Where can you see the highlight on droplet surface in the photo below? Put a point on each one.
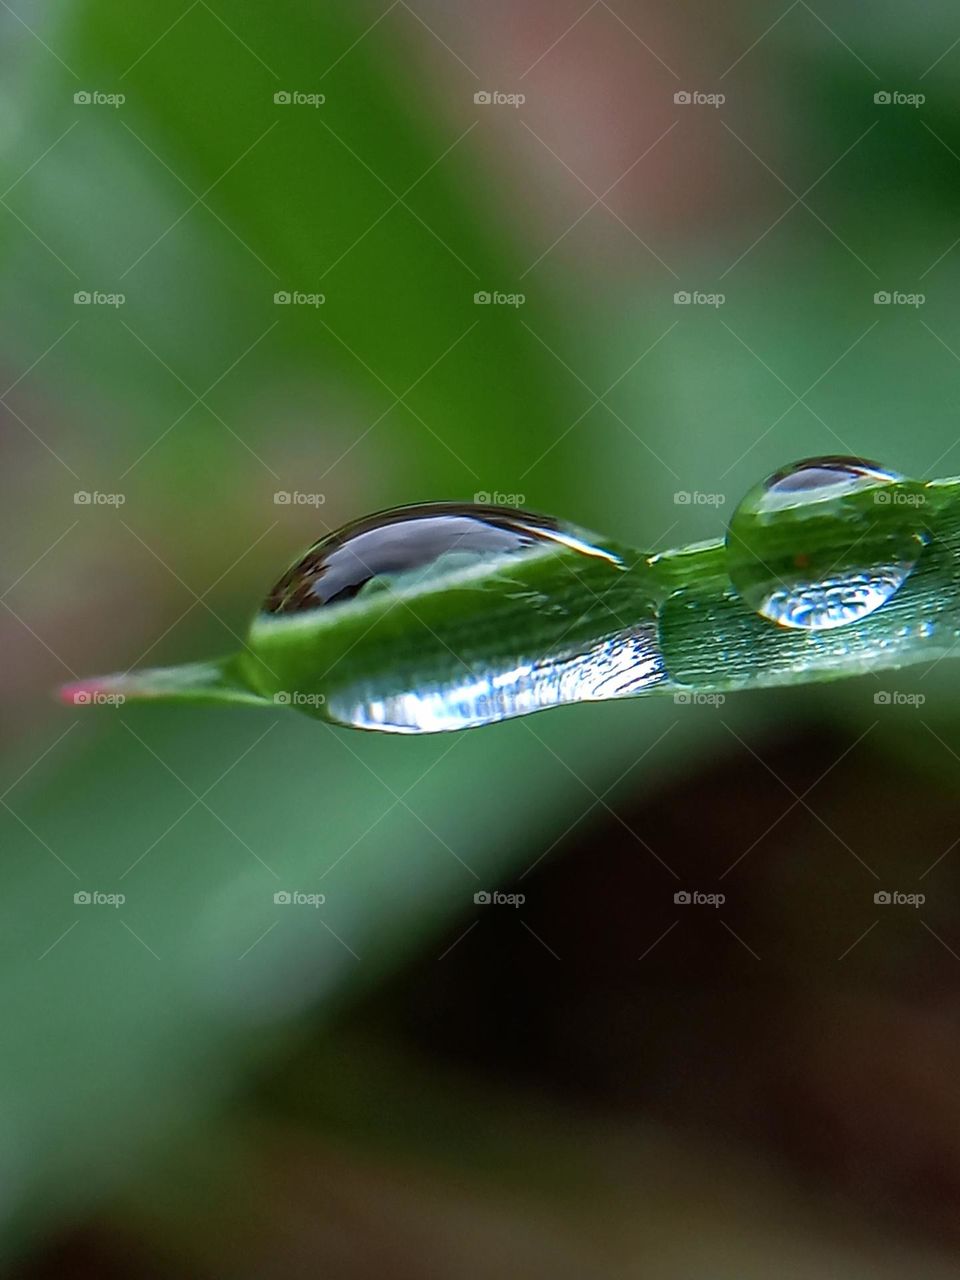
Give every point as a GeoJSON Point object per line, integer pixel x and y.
{"type": "Point", "coordinates": [616, 667]}
{"type": "Point", "coordinates": [782, 547]}
{"type": "Point", "coordinates": [445, 590]}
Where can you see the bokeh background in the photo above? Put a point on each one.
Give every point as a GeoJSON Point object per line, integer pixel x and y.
{"type": "Point", "coordinates": [601, 1081]}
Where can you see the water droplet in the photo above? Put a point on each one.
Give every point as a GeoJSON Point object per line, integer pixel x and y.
{"type": "Point", "coordinates": [447, 616]}
{"type": "Point", "coordinates": [412, 545]}
{"type": "Point", "coordinates": [782, 544]}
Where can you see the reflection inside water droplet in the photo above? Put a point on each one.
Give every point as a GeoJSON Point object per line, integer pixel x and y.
{"type": "Point", "coordinates": [786, 557]}
{"type": "Point", "coordinates": [616, 667]}
{"type": "Point", "coordinates": [451, 616]}
{"type": "Point", "coordinates": [412, 545]}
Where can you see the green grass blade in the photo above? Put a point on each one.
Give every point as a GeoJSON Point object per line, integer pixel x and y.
{"type": "Point", "coordinates": [531, 619]}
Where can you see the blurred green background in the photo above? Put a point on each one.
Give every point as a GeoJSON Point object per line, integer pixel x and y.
{"type": "Point", "coordinates": [203, 1082]}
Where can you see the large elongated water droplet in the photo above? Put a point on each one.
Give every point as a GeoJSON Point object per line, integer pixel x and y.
{"type": "Point", "coordinates": [449, 616]}
{"type": "Point", "coordinates": [412, 545]}
{"type": "Point", "coordinates": [791, 560]}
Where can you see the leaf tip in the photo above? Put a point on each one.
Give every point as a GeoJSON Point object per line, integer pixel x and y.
{"type": "Point", "coordinates": [96, 690]}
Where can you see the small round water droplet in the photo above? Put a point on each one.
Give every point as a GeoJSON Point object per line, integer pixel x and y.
{"type": "Point", "coordinates": [825, 542]}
